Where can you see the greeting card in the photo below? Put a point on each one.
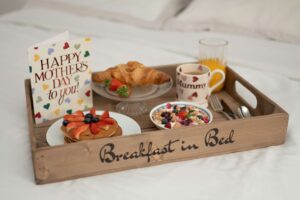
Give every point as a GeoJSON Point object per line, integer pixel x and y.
{"type": "Point", "coordinates": [60, 77]}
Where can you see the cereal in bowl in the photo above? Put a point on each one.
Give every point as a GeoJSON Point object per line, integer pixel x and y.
{"type": "Point", "coordinates": [178, 115]}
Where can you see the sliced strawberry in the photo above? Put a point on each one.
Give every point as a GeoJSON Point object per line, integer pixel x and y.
{"type": "Point", "coordinates": [95, 129]}
{"type": "Point", "coordinates": [74, 118]}
{"type": "Point", "coordinates": [78, 113]}
{"type": "Point", "coordinates": [115, 84]}
{"type": "Point", "coordinates": [105, 115]}
{"type": "Point", "coordinates": [77, 131]}
{"type": "Point", "coordinates": [101, 123]}
{"type": "Point", "coordinates": [182, 114]}
{"type": "Point", "coordinates": [108, 121]}
{"type": "Point", "coordinates": [73, 125]}
{"type": "Point", "coordinates": [93, 111]}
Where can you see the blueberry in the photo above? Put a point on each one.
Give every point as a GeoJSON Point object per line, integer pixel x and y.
{"type": "Point", "coordinates": [87, 120]}
{"type": "Point", "coordinates": [88, 116]}
{"type": "Point", "coordinates": [95, 119]}
{"type": "Point", "coordinates": [164, 121]}
{"type": "Point", "coordinates": [65, 122]}
{"type": "Point", "coordinates": [165, 114]}
{"type": "Point", "coordinates": [169, 118]}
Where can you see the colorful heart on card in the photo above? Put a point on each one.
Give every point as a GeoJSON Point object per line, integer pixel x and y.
{"type": "Point", "coordinates": [60, 78]}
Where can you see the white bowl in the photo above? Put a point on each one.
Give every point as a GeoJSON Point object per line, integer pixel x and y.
{"type": "Point", "coordinates": [181, 103]}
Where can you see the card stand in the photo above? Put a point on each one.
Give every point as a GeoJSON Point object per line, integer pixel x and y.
{"type": "Point", "coordinates": [267, 127]}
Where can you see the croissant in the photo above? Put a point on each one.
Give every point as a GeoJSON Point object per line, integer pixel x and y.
{"type": "Point", "coordinates": [132, 74]}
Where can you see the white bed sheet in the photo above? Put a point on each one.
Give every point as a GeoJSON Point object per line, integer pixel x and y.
{"type": "Point", "coordinates": [269, 173]}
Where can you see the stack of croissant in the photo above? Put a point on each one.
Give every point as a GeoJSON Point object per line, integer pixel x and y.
{"type": "Point", "coordinates": [132, 74]}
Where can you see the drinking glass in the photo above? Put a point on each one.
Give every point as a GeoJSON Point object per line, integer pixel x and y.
{"type": "Point", "coordinates": [213, 54]}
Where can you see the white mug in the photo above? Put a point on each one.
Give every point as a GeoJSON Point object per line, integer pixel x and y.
{"type": "Point", "coordinates": [192, 83]}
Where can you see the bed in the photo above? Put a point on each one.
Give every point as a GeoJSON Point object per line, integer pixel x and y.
{"type": "Point", "coordinates": [272, 66]}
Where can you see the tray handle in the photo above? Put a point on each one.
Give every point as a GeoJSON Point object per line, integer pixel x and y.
{"type": "Point", "coordinates": [263, 106]}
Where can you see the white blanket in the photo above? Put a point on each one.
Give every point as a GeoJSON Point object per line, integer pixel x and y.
{"type": "Point", "coordinates": [269, 173]}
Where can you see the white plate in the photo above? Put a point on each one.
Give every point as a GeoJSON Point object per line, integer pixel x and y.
{"type": "Point", "coordinates": [55, 136]}
{"type": "Point", "coordinates": [180, 103]}
{"type": "Point", "coordinates": [141, 93]}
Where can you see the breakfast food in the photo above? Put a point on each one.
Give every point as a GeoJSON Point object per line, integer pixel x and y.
{"type": "Point", "coordinates": [123, 77]}
{"type": "Point", "coordinates": [79, 126]}
{"type": "Point", "coordinates": [176, 116]}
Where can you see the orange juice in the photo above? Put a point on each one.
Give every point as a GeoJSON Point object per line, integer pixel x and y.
{"type": "Point", "coordinates": [212, 64]}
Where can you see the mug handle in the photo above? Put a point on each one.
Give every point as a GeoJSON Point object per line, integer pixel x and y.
{"type": "Point", "coordinates": [218, 83]}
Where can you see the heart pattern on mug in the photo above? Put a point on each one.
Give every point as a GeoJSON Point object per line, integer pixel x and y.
{"type": "Point", "coordinates": [70, 111]}
{"type": "Point", "coordinates": [30, 69]}
{"type": "Point", "coordinates": [195, 94]}
{"type": "Point", "coordinates": [36, 48]}
{"type": "Point", "coordinates": [66, 45]}
{"type": "Point", "coordinates": [195, 78]}
{"type": "Point", "coordinates": [200, 67]}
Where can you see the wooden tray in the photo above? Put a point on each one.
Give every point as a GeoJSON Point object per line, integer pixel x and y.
{"type": "Point", "coordinates": [267, 127]}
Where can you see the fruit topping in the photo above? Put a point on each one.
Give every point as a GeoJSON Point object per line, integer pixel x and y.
{"type": "Point", "coordinates": [73, 118]}
{"type": "Point", "coordinates": [77, 123]}
{"type": "Point", "coordinates": [87, 120]}
{"type": "Point", "coordinates": [77, 131]}
{"type": "Point", "coordinates": [182, 114]}
{"type": "Point", "coordinates": [95, 129]}
{"type": "Point", "coordinates": [168, 125]}
{"type": "Point", "coordinates": [113, 84]}
{"type": "Point", "coordinates": [168, 105]}
{"type": "Point", "coordinates": [65, 122]}
{"type": "Point", "coordinates": [89, 115]}
{"type": "Point", "coordinates": [73, 125]}
{"type": "Point", "coordinates": [164, 121]}
{"type": "Point", "coordinates": [108, 121]}
{"type": "Point", "coordinates": [95, 119]}
{"type": "Point", "coordinates": [78, 113]}
{"type": "Point", "coordinates": [105, 114]}
{"type": "Point", "coordinates": [93, 111]}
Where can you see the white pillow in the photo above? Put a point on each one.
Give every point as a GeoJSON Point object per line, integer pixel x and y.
{"type": "Point", "coordinates": [274, 19]}
{"type": "Point", "coordinates": [144, 13]}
